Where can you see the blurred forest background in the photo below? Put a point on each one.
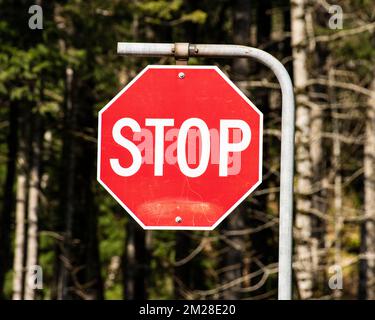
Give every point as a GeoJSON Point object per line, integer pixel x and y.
{"type": "Point", "coordinates": [54, 213]}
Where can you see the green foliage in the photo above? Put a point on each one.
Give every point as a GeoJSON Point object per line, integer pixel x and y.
{"type": "Point", "coordinates": [114, 292]}
{"type": "Point", "coordinates": [111, 235]}
{"type": "Point", "coordinates": [161, 11]}
{"type": "Point", "coordinates": [360, 47]}
{"type": "Point", "coordinates": [8, 287]}
{"type": "Point", "coordinates": [197, 16]}
{"type": "Point", "coordinates": [46, 260]}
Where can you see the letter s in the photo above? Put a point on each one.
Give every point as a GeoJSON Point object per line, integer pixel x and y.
{"type": "Point", "coordinates": [127, 144]}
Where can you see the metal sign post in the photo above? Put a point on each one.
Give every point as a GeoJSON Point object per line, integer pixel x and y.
{"type": "Point", "coordinates": [182, 51]}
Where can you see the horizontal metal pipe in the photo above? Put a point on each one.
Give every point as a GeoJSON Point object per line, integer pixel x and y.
{"type": "Point", "coordinates": [220, 50]}
{"type": "Point", "coordinates": [195, 50]}
{"type": "Point", "coordinates": [145, 49]}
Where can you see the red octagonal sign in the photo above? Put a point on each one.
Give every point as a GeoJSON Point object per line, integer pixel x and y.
{"type": "Point", "coordinates": [180, 147]}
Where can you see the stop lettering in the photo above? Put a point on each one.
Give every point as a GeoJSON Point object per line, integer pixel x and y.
{"type": "Point", "coordinates": [205, 145]}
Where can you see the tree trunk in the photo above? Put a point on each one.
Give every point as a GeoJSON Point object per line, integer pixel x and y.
{"type": "Point", "coordinates": [67, 191]}
{"type": "Point", "coordinates": [8, 203]}
{"type": "Point", "coordinates": [182, 274]}
{"type": "Point", "coordinates": [233, 255]}
{"type": "Point", "coordinates": [241, 35]}
{"type": "Point", "coordinates": [337, 182]}
{"type": "Point", "coordinates": [304, 268]}
{"type": "Point", "coordinates": [367, 279]}
{"type": "Point", "coordinates": [33, 202]}
{"type": "Point", "coordinates": [80, 276]}
{"type": "Point", "coordinates": [258, 208]}
{"type": "Point", "coordinates": [135, 263]}
{"type": "Point", "coordinates": [317, 243]}
{"type": "Point", "coordinates": [233, 260]}
{"type": "Point", "coordinates": [21, 197]}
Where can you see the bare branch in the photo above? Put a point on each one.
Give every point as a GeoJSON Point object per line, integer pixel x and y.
{"type": "Point", "coordinates": [370, 27]}
{"type": "Point", "coordinates": [342, 85]}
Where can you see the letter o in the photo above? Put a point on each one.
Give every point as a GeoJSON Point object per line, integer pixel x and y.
{"type": "Point", "coordinates": [205, 145]}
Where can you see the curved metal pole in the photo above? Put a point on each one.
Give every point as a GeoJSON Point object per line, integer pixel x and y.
{"type": "Point", "coordinates": [287, 133]}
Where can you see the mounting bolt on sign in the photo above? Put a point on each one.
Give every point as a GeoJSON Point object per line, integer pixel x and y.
{"type": "Point", "coordinates": [180, 147]}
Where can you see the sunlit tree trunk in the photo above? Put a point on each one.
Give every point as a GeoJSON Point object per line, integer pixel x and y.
{"type": "Point", "coordinates": [21, 198]}
{"type": "Point", "coordinates": [316, 153]}
{"type": "Point", "coordinates": [33, 202]}
{"type": "Point", "coordinates": [304, 266]}
{"type": "Point", "coordinates": [319, 176]}
{"type": "Point", "coordinates": [367, 281]}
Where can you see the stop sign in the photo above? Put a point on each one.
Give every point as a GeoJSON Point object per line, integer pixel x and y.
{"type": "Point", "coordinates": [180, 147]}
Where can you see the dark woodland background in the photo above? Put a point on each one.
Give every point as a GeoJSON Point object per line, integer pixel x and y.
{"type": "Point", "coordinates": [54, 213]}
